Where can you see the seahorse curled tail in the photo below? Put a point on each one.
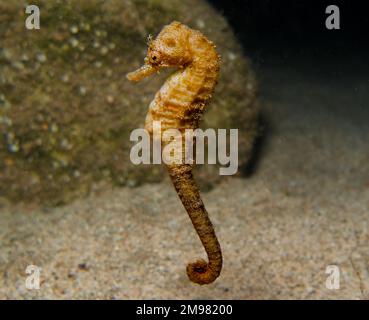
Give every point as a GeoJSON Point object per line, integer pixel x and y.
{"type": "Point", "coordinates": [200, 271]}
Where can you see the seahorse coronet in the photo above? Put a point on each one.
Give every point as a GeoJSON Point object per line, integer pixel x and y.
{"type": "Point", "coordinates": [179, 104]}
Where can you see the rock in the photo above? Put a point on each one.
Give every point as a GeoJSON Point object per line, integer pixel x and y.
{"type": "Point", "coordinates": [73, 79]}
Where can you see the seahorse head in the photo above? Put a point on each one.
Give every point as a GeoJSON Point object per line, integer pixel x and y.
{"type": "Point", "coordinates": [169, 49]}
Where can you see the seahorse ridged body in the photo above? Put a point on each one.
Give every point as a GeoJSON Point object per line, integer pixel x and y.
{"type": "Point", "coordinates": [179, 104]}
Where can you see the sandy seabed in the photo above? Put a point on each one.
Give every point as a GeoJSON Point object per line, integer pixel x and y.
{"type": "Point", "coordinates": [305, 207]}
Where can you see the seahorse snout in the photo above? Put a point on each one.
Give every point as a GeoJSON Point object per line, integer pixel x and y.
{"type": "Point", "coordinates": [143, 72]}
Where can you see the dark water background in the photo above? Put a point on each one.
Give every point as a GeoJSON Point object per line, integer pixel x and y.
{"type": "Point", "coordinates": [284, 31]}
{"type": "Point", "coordinates": [307, 73]}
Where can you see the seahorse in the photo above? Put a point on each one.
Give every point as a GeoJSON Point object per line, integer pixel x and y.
{"type": "Point", "coordinates": [179, 104]}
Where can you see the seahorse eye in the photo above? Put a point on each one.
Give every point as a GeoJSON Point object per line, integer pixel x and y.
{"type": "Point", "coordinates": [154, 59]}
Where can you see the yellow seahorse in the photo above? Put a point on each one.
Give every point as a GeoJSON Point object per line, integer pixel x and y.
{"type": "Point", "coordinates": [179, 104]}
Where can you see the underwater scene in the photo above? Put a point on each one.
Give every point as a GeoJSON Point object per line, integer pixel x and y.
{"type": "Point", "coordinates": [169, 149]}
